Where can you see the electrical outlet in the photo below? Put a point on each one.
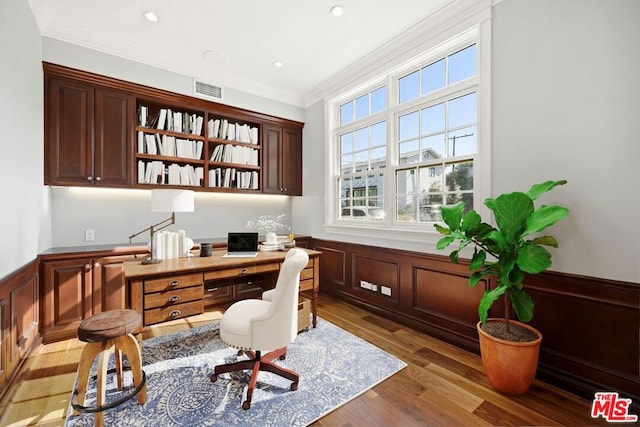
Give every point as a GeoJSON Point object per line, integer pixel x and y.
{"type": "Point", "coordinates": [364, 284]}
{"type": "Point", "coordinates": [373, 287]}
{"type": "Point", "coordinates": [385, 290]}
{"type": "Point", "coordinates": [89, 235]}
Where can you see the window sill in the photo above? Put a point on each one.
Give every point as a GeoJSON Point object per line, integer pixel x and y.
{"type": "Point", "coordinates": [423, 235]}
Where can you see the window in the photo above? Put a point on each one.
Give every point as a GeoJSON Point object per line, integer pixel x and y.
{"type": "Point", "coordinates": [363, 157]}
{"type": "Point", "coordinates": [436, 147]}
{"type": "Point", "coordinates": [409, 143]}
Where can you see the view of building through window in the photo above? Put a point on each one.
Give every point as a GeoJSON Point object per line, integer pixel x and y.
{"type": "Point", "coordinates": [430, 151]}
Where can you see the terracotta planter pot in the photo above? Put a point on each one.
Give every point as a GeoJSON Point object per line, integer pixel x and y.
{"type": "Point", "coordinates": [510, 366]}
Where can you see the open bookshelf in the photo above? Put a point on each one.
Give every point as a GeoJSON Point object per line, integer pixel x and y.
{"type": "Point", "coordinates": [169, 146]}
{"type": "Point", "coordinates": [234, 153]}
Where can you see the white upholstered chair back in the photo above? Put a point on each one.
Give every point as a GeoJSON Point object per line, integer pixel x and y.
{"type": "Point", "coordinates": [279, 326]}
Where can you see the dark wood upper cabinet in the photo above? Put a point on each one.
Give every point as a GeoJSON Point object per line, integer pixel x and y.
{"type": "Point", "coordinates": [282, 160]}
{"type": "Point", "coordinates": [88, 134]}
{"type": "Point", "coordinates": [113, 138]}
{"type": "Point", "coordinates": [101, 131]}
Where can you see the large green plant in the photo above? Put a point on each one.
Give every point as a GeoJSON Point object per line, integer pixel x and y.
{"type": "Point", "coordinates": [513, 249]}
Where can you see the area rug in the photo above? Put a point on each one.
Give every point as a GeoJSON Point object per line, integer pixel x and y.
{"type": "Point", "coordinates": [334, 366]}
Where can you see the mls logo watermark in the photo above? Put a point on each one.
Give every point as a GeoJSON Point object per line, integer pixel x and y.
{"type": "Point", "coordinates": [612, 408]}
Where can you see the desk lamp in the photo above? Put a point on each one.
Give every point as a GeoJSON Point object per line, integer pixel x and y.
{"type": "Point", "coordinates": [166, 200]}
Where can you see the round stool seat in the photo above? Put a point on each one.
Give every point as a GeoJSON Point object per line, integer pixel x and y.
{"type": "Point", "coordinates": [109, 325]}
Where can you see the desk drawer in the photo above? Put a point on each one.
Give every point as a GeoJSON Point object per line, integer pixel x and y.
{"type": "Point", "coordinates": [241, 271]}
{"type": "Point", "coordinates": [164, 314]}
{"type": "Point", "coordinates": [173, 282]}
{"type": "Point", "coordinates": [172, 297]}
{"type": "Point", "coordinates": [306, 274]}
{"type": "Point", "coordinates": [306, 285]}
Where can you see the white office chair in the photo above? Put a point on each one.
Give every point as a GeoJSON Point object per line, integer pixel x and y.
{"type": "Point", "coordinates": [254, 326]}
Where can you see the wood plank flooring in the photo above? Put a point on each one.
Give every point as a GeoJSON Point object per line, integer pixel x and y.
{"type": "Point", "coordinates": [441, 386]}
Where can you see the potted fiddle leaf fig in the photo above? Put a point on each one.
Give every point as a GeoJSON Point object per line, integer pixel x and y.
{"type": "Point", "coordinates": [506, 253]}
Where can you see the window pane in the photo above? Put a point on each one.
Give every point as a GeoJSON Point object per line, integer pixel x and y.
{"type": "Point", "coordinates": [467, 198]}
{"type": "Point", "coordinates": [433, 119]}
{"type": "Point", "coordinates": [362, 106]}
{"type": "Point", "coordinates": [361, 160]}
{"type": "Point", "coordinates": [459, 176]}
{"type": "Point", "coordinates": [430, 208]}
{"type": "Point", "coordinates": [346, 143]}
{"type": "Point", "coordinates": [346, 113]}
{"type": "Point", "coordinates": [409, 126]}
{"type": "Point", "coordinates": [406, 208]}
{"type": "Point", "coordinates": [431, 179]}
{"type": "Point", "coordinates": [433, 147]}
{"type": "Point", "coordinates": [409, 87]}
{"type": "Point", "coordinates": [379, 134]}
{"type": "Point", "coordinates": [409, 152]}
{"type": "Point", "coordinates": [346, 163]}
{"type": "Point", "coordinates": [462, 111]}
{"type": "Point", "coordinates": [406, 181]}
{"type": "Point", "coordinates": [361, 139]}
{"type": "Point", "coordinates": [378, 158]}
{"type": "Point", "coordinates": [345, 189]}
{"type": "Point", "coordinates": [379, 100]}
{"type": "Point", "coordinates": [375, 185]}
{"type": "Point", "coordinates": [433, 77]}
{"type": "Point", "coordinates": [462, 64]}
{"type": "Point", "coordinates": [463, 141]}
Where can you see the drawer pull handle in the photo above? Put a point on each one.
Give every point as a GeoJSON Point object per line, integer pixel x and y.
{"type": "Point", "coordinates": [175, 313]}
{"type": "Point", "coordinates": [174, 298]}
{"type": "Point", "coordinates": [174, 283]}
{"type": "Point", "coordinates": [244, 271]}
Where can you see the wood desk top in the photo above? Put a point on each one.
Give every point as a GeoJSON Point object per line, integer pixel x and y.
{"type": "Point", "coordinates": [192, 264]}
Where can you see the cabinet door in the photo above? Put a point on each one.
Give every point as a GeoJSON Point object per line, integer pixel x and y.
{"type": "Point", "coordinates": [24, 318]}
{"type": "Point", "coordinates": [67, 297]}
{"type": "Point", "coordinates": [271, 159]}
{"type": "Point", "coordinates": [109, 291]}
{"type": "Point", "coordinates": [282, 160]}
{"type": "Point", "coordinates": [291, 154]}
{"type": "Point", "coordinates": [69, 133]}
{"type": "Point", "coordinates": [113, 140]}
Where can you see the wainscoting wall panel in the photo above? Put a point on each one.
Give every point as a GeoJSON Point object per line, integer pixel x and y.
{"type": "Point", "coordinates": [590, 326]}
{"type": "Point", "coordinates": [18, 322]}
{"type": "Point", "coordinates": [381, 275]}
{"type": "Point", "coordinates": [333, 265]}
{"type": "Point", "coordinates": [591, 330]}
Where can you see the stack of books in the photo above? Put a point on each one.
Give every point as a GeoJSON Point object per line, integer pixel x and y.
{"type": "Point", "coordinates": [283, 243]}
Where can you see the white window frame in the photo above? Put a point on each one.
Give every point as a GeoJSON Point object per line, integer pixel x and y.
{"type": "Point", "coordinates": [473, 26]}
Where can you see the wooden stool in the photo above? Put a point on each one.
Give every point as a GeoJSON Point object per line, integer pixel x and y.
{"type": "Point", "coordinates": [102, 333]}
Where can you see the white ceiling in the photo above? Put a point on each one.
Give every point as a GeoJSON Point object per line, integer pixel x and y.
{"type": "Point", "coordinates": [243, 37]}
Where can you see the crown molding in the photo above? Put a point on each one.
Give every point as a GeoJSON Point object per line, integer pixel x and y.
{"type": "Point", "coordinates": [453, 18]}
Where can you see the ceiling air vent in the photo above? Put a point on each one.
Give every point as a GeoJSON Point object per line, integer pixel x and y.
{"type": "Point", "coordinates": [207, 90]}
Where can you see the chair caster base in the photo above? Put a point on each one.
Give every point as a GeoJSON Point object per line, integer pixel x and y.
{"type": "Point", "coordinates": [294, 386]}
{"type": "Point", "coordinates": [214, 378]}
{"type": "Point", "coordinates": [246, 405]}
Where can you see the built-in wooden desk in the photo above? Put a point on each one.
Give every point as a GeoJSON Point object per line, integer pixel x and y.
{"type": "Point", "coordinates": [175, 288]}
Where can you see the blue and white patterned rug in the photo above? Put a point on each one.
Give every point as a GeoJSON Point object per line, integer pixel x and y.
{"type": "Point", "coordinates": [334, 366]}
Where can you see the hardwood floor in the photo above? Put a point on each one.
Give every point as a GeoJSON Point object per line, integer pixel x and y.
{"type": "Point", "coordinates": [441, 386]}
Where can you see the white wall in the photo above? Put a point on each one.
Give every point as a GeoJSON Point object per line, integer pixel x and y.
{"type": "Point", "coordinates": [565, 99]}
{"type": "Point", "coordinates": [308, 211]}
{"type": "Point", "coordinates": [113, 214]}
{"type": "Point", "coordinates": [565, 105]}
{"type": "Point", "coordinates": [24, 218]}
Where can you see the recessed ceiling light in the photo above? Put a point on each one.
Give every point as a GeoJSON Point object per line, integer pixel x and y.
{"type": "Point", "coordinates": [337, 10]}
{"type": "Point", "coordinates": [278, 64]}
{"type": "Point", "coordinates": [215, 56]}
{"type": "Point", "coordinates": [150, 16]}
